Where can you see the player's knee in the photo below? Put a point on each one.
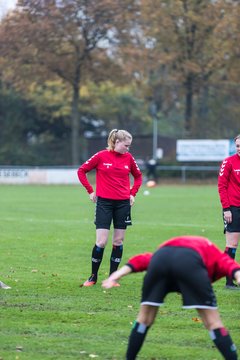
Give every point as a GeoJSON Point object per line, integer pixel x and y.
{"type": "Point", "coordinates": [232, 244]}
{"type": "Point", "coordinates": [213, 324]}
{"type": "Point", "coordinates": [101, 243]}
{"type": "Point", "coordinates": [232, 240]}
{"type": "Point", "coordinates": [147, 319]}
{"type": "Point", "coordinates": [118, 241]}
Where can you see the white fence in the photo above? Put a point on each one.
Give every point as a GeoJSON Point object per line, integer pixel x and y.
{"type": "Point", "coordinates": [68, 175]}
{"type": "Point", "coordinates": [37, 175]}
{"type": "Point", "coordinates": [184, 171]}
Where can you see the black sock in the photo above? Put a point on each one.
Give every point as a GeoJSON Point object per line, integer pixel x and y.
{"type": "Point", "coordinates": [223, 342]}
{"type": "Point", "coordinates": [115, 258]}
{"type": "Point", "coordinates": [232, 253]}
{"type": "Point", "coordinates": [97, 255]}
{"type": "Point", "coordinates": [136, 339]}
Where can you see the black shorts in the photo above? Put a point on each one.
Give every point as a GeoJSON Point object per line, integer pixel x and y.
{"type": "Point", "coordinates": [178, 269]}
{"type": "Point", "coordinates": [118, 211]}
{"type": "Point", "coordinates": [234, 226]}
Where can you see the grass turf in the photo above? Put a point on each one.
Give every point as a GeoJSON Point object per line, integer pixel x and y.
{"type": "Point", "coordinates": [47, 234]}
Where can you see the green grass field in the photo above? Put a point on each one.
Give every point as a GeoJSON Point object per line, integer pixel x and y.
{"type": "Point", "coordinates": [47, 234]}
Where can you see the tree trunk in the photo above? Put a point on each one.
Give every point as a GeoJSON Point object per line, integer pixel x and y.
{"type": "Point", "coordinates": [203, 112]}
{"type": "Point", "coordinates": [188, 104]}
{"type": "Point", "coordinates": [75, 126]}
{"type": "Point", "coordinates": [75, 120]}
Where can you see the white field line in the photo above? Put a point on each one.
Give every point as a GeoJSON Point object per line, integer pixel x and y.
{"type": "Point", "coordinates": [90, 221]}
{"type": "Point", "coordinates": [36, 220]}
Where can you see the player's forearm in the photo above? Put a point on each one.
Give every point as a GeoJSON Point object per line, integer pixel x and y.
{"type": "Point", "coordinates": [115, 276]}
{"type": "Point", "coordinates": [125, 270]}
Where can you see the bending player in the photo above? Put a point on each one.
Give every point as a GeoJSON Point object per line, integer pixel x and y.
{"type": "Point", "coordinates": [188, 265]}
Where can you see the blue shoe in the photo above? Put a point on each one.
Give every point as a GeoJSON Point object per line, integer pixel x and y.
{"type": "Point", "coordinates": [232, 287]}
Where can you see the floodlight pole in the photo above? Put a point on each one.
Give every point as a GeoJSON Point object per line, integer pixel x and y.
{"type": "Point", "coordinates": [153, 112]}
{"type": "Point", "coordinates": [155, 138]}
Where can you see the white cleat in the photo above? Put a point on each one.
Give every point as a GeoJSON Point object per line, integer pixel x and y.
{"type": "Point", "coordinates": [4, 286]}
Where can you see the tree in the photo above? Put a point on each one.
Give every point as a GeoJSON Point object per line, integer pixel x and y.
{"type": "Point", "coordinates": [118, 106]}
{"type": "Point", "coordinates": [68, 39]}
{"type": "Point", "coordinates": [26, 135]}
{"type": "Point", "coordinates": [178, 44]}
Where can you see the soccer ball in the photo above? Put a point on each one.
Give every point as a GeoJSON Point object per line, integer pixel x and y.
{"type": "Point", "coordinates": [151, 183]}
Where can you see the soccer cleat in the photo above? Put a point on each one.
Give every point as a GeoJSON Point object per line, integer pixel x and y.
{"type": "Point", "coordinates": [232, 287]}
{"type": "Point", "coordinates": [90, 282]}
{"type": "Point", "coordinates": [4, 286]}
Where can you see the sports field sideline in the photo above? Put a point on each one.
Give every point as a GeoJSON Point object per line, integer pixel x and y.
{"type": "Point", "coordinates": [47, 234]}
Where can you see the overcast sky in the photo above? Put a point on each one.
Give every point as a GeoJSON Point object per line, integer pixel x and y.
{"type": "Point", "coordinates": [6, 5]}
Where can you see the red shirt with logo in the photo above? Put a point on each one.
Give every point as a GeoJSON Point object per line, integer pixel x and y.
{"type": "Point", "coordinates": [229, 182]}
{"type": "Point", "coordinates": [217, 263]}
{"type": "Point", "coordinates": [113, 171]}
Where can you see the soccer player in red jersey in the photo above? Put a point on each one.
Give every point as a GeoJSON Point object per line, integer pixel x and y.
{"type": "Point", "coordinates": [114, 196]}
{"type": "Point", "coordinates": [187, 265]}
{"type": "Point", "coordinates": [229, 193]}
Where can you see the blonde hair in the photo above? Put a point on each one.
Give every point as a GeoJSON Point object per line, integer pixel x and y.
{"type": "Point", "coordinates": [237, 137]}
{"type": "Point", "coordinates": [116, 134]}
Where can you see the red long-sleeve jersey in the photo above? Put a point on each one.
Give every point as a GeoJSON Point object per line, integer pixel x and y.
{"type": "Point", "coordinates": [229, 182]}
{"type": "Point", "coordinates": [112, 175]}
{"type": "Point", "coordinates": [218, 264]}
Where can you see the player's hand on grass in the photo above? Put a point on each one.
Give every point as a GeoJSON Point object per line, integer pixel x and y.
{"type": "Point", "coordinates": [112, 281]}
{"type": "Point", "coordinates": [237, 277]}
{"type": "Point", "coordinates": [108, 284]}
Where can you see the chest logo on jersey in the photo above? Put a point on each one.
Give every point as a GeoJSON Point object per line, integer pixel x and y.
{"type": "Point", "coordinates": [126, 166]}
{"type": "Point", "coordinates": [237, 171]}
{"type": "Point", "coordinates": [107, 165]}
